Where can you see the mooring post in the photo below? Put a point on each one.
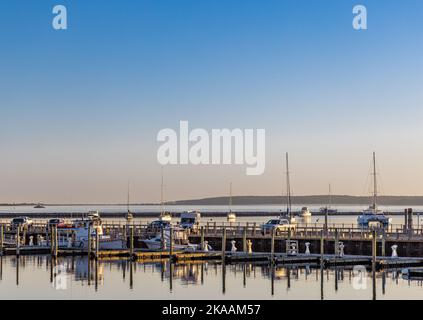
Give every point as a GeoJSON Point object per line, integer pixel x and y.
{"type": "Point", "coordinates": [244, 239]}
{"type": "Point", "coordinates": [202, 239]}
{"type": "Point", "coordinates": [405, 220]}
{"type": "Point", "coordinates": [162, 239]}
{"type": "Point", "coordinates": [89, 242]}
{"type": "Point", "coordinates": [322, 248]}
{"type": "Point", "coordinates": [374, 253]}
{"type": "Point", "coordinates": [170, 242]}
{"type": "Point", "coordinates": [97, 243]}
{"type": "Point", "coordinates": [1, 239]}
{"type": "Point", "coordinates": [272, 245]}
{"type": "Point", "coordinates": [383, 243]}
{"type": "Point", "coordinates": [18, 244]}
{"type": "Point", "coordinates": [132, 241]}
{"type": "Point", "coordinates": [51, 240]}
{"type": "Point", "coordinates": [56, 242]}
{"type": "Point", "coordinates": [223, 244]}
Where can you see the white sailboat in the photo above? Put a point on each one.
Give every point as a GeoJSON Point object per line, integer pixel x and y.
{"type": "Point", "coordinates": [328, 209]}
{"type": "Point", "coordinates": [231, 216]}
{"type": "Point", "coordinates": [129, 216]}
{"type": "Point", "coordinates": [373, 214]}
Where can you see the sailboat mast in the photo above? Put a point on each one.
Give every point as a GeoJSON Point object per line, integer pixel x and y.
{"type": "Point", "coordinates": [127, 200]}
{"type": "Point", "coordinates": [288, 189]}
{"type": "Point", "coordinates": [161, 193]}
{"type": "Point", "coordinates": [230, 197]}
{"type": "Point", "coordinates": [330, 196]}
{"type": "Point", "coordinates": [374, 182]}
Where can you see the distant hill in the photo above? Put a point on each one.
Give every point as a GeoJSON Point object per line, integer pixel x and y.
{"type": "Point", "coordinates": [272, 200]}
{"type": "Point", "coordinates": [305, 200]}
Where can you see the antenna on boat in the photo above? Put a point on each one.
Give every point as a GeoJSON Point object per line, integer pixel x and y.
{"type": "Point", "coordinates": [374, 182]}
{"type": "Point", "coordinates": [288, 189]}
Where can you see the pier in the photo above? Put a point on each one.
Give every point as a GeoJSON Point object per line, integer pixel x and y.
{"type": "Point", "coordinates": [305, 244]}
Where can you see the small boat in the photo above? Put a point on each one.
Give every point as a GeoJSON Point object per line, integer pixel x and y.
{"type": "Point", "coordinates": [190, 219]}
{"type": "Point", "coordinates": [76, 235]}
{"type": "Point", "coordinates": [129, 216]}
{"type": "Point", "coordinates": [373, 214]}
{"type": "Point", "coordinates": [231, 217]}
{"type": "Point", "coordinates": [165, 216]}
{"type": "Point", "coordinates": [329, 210]}
{"type": "Point", "coordinates": [305, 212]}
{"type": "Point", "coordinates": [39, 206]}
{"type": "Point", "coordinates": [179, 241]}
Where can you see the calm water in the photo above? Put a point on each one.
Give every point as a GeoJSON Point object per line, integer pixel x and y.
{"type": "Point", "coordinates": [71, 278]}
{"type": "Point", "coordinates": [347, 220]}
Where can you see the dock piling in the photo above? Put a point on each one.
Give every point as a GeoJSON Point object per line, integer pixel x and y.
{"type": "Point", "coordinates": [18, 240]}
{"type": "Point", "coordinates": [89, 242]}
{"type": "Point", "coordinates": [132, 241]}
{"type": "Point", "coordinates": [1, 239]}
{"type": "Point", "coordinates": [202, 239]}
{"type": "Point", "coordinates": [223, 244]}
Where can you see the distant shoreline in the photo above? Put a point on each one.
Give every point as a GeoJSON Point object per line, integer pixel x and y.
{"type": "Point", "coordinates": [262, 200]}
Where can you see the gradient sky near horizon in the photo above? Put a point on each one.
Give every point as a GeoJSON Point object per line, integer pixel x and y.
{"type": "Point", "coordinates": [80, 109]}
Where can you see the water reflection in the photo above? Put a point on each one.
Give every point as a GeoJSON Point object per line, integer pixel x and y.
{"type": "Point", "coordinates": [42, 275]}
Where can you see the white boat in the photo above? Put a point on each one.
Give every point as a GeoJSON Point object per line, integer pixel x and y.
{"type": "Point", "coordinates": [190, 219]}
{"type": "Point", "coordinates": [76, 236]}
{"type": "Point", "coordinates": [373, 214]}
{"type": "Point", "coordinates": [165, 216]}
{"type": "Point", "coordinates": [305, 212]}
{"type": "Point", "coordinates": [231, 217]}
{"type": "Point", "coordinates": [179, 241]}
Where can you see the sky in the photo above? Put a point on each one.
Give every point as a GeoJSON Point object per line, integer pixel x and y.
{"type": "Point", "coordinates": [80, 109]}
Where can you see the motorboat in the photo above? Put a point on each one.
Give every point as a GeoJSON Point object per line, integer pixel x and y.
{"type": "Point", "coordinates": [190, 219]}
{"type": "Point", "coordinates": [76, 235]}
{"type": "Point", "coordinates": [161, 241]}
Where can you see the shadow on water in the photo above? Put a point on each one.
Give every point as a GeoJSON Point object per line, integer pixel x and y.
{"type": "Point", "coordinates": [264, 280]}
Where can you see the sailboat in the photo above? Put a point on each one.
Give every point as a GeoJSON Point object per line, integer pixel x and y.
{"type": "Point", "coordinates": [231, 216]}
{"type": "Point", "coordinates": [164, 215]}
{"type": "Point", "coordinates": [373, 214]}
{"type": "Point", "coordinates": [289, 214]}
{"type": "Point", "coordinates": [129, 216]}
{"type": "Point", "coordinates": [328, 208]}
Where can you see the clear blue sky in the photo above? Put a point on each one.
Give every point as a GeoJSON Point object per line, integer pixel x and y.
{"type": "Point", "coordinates": [80, 109]}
